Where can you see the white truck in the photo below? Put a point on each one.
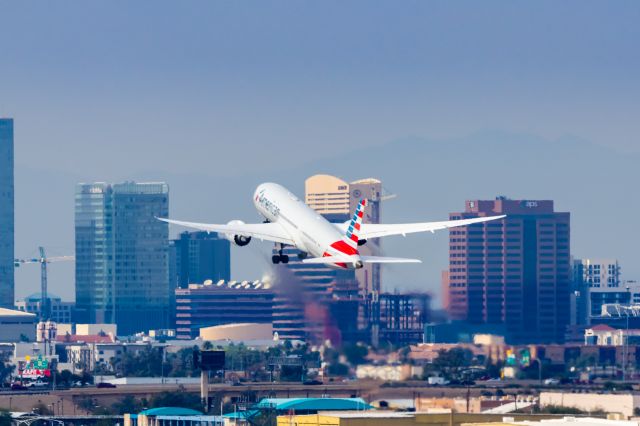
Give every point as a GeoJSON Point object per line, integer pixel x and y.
{"type": "Point", "coordinates": [437, 380]}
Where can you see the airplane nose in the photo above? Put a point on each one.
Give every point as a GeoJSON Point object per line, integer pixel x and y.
{"type": "Point", "coordinates": [358, 264]}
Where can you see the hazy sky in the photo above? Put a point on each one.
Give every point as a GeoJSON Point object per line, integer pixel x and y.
{"type": "Point", "coordinates": [108, 90]}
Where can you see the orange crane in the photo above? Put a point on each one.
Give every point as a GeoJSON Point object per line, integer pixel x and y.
{"type": "Point", "coordinates": [43, 260]}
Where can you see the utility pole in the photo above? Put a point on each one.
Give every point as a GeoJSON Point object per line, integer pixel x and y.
{"type": "Point", "coordinates": [625, 338]}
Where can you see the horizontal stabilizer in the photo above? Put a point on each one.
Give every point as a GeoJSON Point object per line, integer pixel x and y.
{"type": "Point", "coordinates": [356, 258]}
{"type": "Point", "coordinates": [382, 259]}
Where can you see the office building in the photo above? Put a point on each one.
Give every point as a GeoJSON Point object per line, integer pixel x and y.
{"type": "Point", "coordinates": [200, 256]}
{"type": "Point", "coordinates": [597, 273]}
{"type": "Point", "coordinates": [6, 214]}
{"type": "Point", "coordinates": [400, 318]}
{"type": "Point", "coordinates": [219, 303]}
{"type": "Point", "coordinates": [514, 272]}
{"type": "Point", "coordinates": [597, 282]}
{"type": "Point", "coordinates": [60, 312]}
{"type": "Point", "coordinates": [336, 200]}
{"type": "Point", "coordinates": [122, 262]}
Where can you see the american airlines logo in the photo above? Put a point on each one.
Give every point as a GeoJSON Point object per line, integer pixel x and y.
{"type": "Point", "coordinates": [268, 205]}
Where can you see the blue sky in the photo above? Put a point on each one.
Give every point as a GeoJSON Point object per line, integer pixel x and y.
{"type": "Point", "coordinates": [110, 90]}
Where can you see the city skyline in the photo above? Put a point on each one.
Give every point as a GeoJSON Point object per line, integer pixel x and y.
{"type": "Point", "coordinates": [589, 239]}
{"type": "Point", "coordinates": [321, 83]}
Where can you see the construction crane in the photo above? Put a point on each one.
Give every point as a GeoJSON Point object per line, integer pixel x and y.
{"type": "Point", "coordinates": [43, 260]}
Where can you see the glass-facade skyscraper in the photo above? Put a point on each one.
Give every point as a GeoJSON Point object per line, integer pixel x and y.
{"type": "Point", "coordinates": [6, 214]}
{"type": "Point", "coordinates": [200, 256]}
{"type": "Point", "coordinates": [122, 261]}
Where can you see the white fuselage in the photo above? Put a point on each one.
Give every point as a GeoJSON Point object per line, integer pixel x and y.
{"type": "Point", "coordinates": [311, 232]}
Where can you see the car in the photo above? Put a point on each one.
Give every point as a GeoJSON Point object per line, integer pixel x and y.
{"type": "Point", "coordinates": [551, 382]}
{"type": "Point", "coordinates": [312, 382]}
{"type": "Point", "coordinates": [18, 386]}
{"type": "Point", "coordinates": [37, 384]}
{"type": "Point", "coordinates": [103, 385]}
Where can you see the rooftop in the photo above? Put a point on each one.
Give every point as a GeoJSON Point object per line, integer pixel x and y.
{"type": "Point", "coordinates": [84, 338]}
{"type": "Point", "coordinates": [231, 285]}
{"type": "Point", "coordinates": [15, 313]}
{"type": "Point", "coordinates": [36, 297]}
{"type": "Point", "coordinates": [315, 404]}
{"type": "Point", "coordinates": [170, 411]}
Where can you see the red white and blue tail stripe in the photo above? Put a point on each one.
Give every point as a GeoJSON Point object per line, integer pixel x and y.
{"type": "Point", "coordinates": [351, 236]}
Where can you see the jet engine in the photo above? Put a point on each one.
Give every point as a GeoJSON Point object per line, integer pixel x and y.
{"type": "Point", "coordinates": [239, 240]}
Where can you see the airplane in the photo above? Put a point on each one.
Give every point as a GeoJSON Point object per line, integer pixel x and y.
{"type": "Point", "coordinates": [290, 222]}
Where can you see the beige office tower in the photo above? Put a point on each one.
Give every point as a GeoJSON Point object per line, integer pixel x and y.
{"type": "Point", "coordinates": [336, 200]}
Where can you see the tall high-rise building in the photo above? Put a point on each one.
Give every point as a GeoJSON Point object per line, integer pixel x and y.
{"type": "Point", "coordinates": [309, 296]}
{"type": "Point", "coordinates": [336, 200]}
{"type": "Point", "coordinates": [198, 257]}
{"type": "Point", "coordinates": [122, 257]}
{"type": "Point", "coordinates": [514, 272]}
{"type": "Point", "coordinates": [6, 214]}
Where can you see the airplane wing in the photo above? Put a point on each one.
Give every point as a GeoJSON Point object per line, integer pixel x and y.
{"type": "Point", "coordinates": [377, 230]}
{"type": "Point", "coordinates": [262, 231]}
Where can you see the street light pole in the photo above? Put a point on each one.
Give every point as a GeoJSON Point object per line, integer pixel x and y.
{"type": "Point", "coordinates": [625, 339]}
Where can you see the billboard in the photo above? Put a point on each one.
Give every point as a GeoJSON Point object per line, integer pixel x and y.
{"type": "Point", "coordinates": [34, 368]}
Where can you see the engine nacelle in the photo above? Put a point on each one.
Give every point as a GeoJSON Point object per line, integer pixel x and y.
{"type": "Point", "coordinates": [239, 240]}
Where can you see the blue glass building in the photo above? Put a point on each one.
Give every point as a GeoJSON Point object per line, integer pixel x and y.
{"type": "Point", "coordinates": [200, 256]}
{"type": "Point", "coordinates": [122, 261]}
{"type": "Point", "coordinates": [6, 214]}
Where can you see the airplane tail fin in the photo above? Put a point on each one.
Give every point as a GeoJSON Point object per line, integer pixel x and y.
{"type": "Point", "coordinates": [353, 230]}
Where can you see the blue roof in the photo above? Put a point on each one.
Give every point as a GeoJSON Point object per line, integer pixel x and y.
{"type": "Point", "coordinates": [314, 404]}
{"type": "Point", "coordinates": [240, 414]}
{"type": "Point", "coordinates": [170, 411]}
{"type": "Point", "coordinates": [36, 297]}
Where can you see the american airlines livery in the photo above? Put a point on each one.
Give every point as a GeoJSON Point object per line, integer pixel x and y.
{"type": "Point", "coordinates": [290, 222]}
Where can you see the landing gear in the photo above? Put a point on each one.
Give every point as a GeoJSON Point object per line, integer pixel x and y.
{"type": "Point", "coordinates": [277, 258]}
{"type": "Point", "coordinates": [280, 257]}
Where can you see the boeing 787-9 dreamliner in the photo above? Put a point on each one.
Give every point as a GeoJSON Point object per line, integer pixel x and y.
{"type": "Point", "coordinates": [290, 222]}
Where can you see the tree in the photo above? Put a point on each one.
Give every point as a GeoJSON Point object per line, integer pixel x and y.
{"type": "Point", "coordinates": [128, 404]}
{"type": "Point", "coordinates": [355, 354]}
{"type": "Point", "coordinates": [6, 369]}
{"type": "Point", "coordinates": [42, 409]}
{"type": "Point", "coordinates": [5, 418]}
{"type": "Point", "coordinates": [451, 362]}
{"type": "Point", "coordinates": [179, 398]}
{"type": "Point", "coordinates": [338, 369]}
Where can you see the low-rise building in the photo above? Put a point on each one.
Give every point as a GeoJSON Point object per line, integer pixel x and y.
{"type": "Point", "coordinates": [224, 302]}
{"type": "Point", "coordinates": [392, 373]}
{"type": "Point", "coordinates": [436, 417]}
{"type": "Point", "coordinates": [623, 404]}
{"type": "Point", "coordinates": [59, 311]}
{"type": "Point", "coordinates": [603, 335]}
{"type": "Point", "coordinates": [169, 416]}
{"type": "Point", "coordinates": [17, 326]}
{"type": "Point", "coordinates": [242, 332]}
